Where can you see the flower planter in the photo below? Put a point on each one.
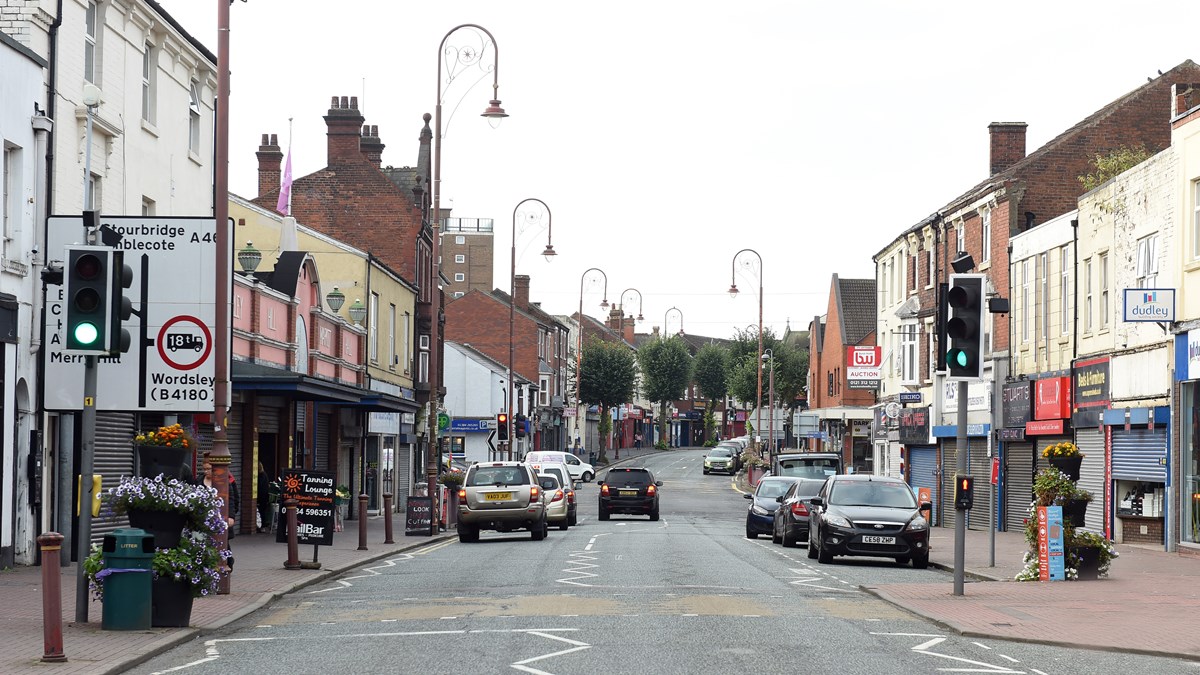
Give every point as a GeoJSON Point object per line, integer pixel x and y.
{"type": "Point", "coordinates": [1089, 562]}
{"type": "Point", "coordinates": [166, 526]}
{"type": "Point", "coordinates": [170, 603]}
{"type": "Point", "coordinates": [157, 459]}
{"type": "Point", "coordinates": [1067, 465]}
{"type": "Point", "coordinates": [1074, 511]}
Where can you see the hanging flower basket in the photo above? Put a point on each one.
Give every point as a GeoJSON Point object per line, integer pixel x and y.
{"type": "Point", "coordinates": [1067, 464]}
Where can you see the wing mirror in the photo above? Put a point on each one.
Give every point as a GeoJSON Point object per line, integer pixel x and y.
{"type": "Point", "coordinates": [779, 500]}
{"type": "Point", "coordinates": [748, 496]}
{"type": "Point", "coordinates": [658, 483]}
{"type": "Point", "coordinates": [817, 501]}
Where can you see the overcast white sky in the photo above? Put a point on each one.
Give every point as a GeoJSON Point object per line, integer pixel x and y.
{"type": "Point", "coordinates": [667, 135]}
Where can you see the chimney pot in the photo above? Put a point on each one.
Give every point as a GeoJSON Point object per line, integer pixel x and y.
{"type": "Point", "coordinates": [270, 157]}
{"type": "Point", "coordinates": [265, 139]}
{"type": "Point", "coordinates": [354, 103]}
{"type": "Point", "coordinates": [333, 103]}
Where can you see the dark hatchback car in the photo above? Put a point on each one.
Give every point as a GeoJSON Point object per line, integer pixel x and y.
{"type": "Point", "coordinates": [760, 517]}
{"type": "Point", "coordinates": [876, 516]}
{"type": "Point", "coordinates": [791, 518]}
{"type": "Point", "coordinates": [630, 491]}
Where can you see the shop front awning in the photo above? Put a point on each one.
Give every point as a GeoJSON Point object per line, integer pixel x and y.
{"type": "Point", "coordinates": [269, 381]}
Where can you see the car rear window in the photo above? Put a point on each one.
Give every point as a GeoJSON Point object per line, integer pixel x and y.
{"type": "Point", "coordinates": [498, 475]}
{"type": "Point", "coordinates": [873, 493]}
{"type": "Point", "coordinates": [773, 488]}
{"type": "Point", "coordinates": [630, 477]}
{"type": "Point", "coordinates": [557, 473]}
{"type": "Point", "coordinates": [560, 457]}
{"type": "Point", "coordinates": [720, 452]}
{"type": "Point", "coordinates": [807, 468]}
{"type": "Point", "coordinates": [809, 488]}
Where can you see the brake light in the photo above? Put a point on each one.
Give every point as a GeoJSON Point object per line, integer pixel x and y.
{"type": "Point", "coordinates": [651, 490]}
{"type": "Point", "coordinates": [604, 490]}
{"type": "Point", "coordinates": [571, 497]}
{"type": "Point", "coordinates": [557, 496]}
{"type": "Point", "coordinates": [462, 496]}
{"type": "Point", "coordinates": [799, 509]}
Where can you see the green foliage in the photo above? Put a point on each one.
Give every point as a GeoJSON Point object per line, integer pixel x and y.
{"type": "Point", "coordinates": [1113, 164]}
{"type": "Point", "coordinates": [710, 427]}
{"type": "Point", "coordinates": [666, 371]}
{"type": "Point", "coordinates": [608, 373]}
{"type": "Point", "coordinates": [1053, 487]}
{"type": "Point", "coordinates": [661, 445]}
{"type": "Point", "coordinates": [712, 371]}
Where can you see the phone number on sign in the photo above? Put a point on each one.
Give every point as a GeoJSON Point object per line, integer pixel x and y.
{"type": "Point", "coordinates": [168, 394]}
{"type": "Point", "coordinates": [315, 512]}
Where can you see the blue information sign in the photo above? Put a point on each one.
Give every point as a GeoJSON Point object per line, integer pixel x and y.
{"type": "Point", "coordinates": [1054, 543]}
{"type": "Point", "coordinates": [470, 426]}
{"type": "Point", "coordinates": [910, 397]}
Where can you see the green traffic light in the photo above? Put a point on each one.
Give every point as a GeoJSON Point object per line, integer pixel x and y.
{"type": "Point", "coordinates": [86, 334]}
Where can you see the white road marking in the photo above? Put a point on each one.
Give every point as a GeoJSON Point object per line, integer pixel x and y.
{"type": "Point", "coordinates": [925, 635]}
{"type": "Point", "coordinates": [1008, 658]}
{"type": "Point", "coordinates": [981, 645]}
{"type": "Point", "coordinates": [926, 645]}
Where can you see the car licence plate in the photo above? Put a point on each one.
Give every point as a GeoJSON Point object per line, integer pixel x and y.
{"type": "Point", "coordinates": [872, 539]}
{"type": "Point", "coordinates": [629, 493]}
{"type": "Point", "coordinates": [497, 496]}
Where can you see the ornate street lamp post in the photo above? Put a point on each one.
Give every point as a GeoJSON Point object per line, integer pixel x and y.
{"type": "Point", "coordinates": [462, 57]}
{"type": "Point", "coordinates": [733, 291]}
{"type": "Point", "coordinates": [581, 420]}
{"type": "Point", "coordinates": [533, 217]}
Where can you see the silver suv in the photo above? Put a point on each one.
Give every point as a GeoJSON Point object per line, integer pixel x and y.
{"type": "Point", "coordinates": [501, 496]}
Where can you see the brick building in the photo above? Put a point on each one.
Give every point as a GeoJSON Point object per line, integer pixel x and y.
{"type": "Point", "coordinates": [844, 413]}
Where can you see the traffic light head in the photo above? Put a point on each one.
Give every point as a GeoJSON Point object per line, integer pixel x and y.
{"type": "Point", "coordinates": [502, 426]}
{"type": "Point", "coordinates": [964, 326]}
{"type": "Point", "coordinates": [120, 307]}
{"type": "Point", "coordinates": [88, 279]}
{"type": "Point", "coordinates": [964, 493]}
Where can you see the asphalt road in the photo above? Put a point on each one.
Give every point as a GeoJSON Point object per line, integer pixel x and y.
{"type": "Point", "coordinates": [687, 594]}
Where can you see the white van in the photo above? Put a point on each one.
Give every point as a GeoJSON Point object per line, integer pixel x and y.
{"type": "Point", "coordinates": [579, 469]}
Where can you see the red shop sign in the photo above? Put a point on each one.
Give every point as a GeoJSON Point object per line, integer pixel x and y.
{"type": "Point", "coordinates": [1052, 398]}
{"type": "Point", "coordinates": [1044, 428]}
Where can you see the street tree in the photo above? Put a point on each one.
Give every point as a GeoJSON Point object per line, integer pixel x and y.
{"type": "Point", "coordinates": [711, 373]}
{"type": "Point", "coordinates": [607, 374]}
{"type": "Point", "coordinates": [666, 372]}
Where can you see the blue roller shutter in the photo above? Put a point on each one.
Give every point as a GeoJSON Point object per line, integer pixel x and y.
{"type": "Point", "coordinates": [1139, 454]}
{"type": "Point", "coordinates": [922, 468]}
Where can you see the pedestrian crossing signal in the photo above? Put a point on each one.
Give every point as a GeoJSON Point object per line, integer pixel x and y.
{"type": "Point", "coordinates": [964, 493]}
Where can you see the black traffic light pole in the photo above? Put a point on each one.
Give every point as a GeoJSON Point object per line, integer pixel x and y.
{"type": "Point", "coordinates": [960, 522]}
{"type": "Point", "coordinates": [964, 363]}
{"type": "Point", "coordinates": [87, 452]}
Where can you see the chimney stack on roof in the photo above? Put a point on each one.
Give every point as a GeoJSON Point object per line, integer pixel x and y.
{"type": "Point", "coordinates": [343, 123]}
{"type": "Point", "coordinates": [270, 158]}
{"type": "Point", "coordinates": [1008, 145]}
{"type": "Point", "coordinates": [521, 292]}
{"type": "Point", "coordinates": [371, 145]}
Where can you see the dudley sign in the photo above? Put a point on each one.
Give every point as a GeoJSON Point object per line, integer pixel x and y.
{"type": "Point", "coordinates": [170, 365]}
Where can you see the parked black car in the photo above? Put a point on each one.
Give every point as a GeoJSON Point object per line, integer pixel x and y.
{"type": "Point", "coordinates": [792, 516]}
{"type": "Point", "coordinates": [862, 515]}
{"type": "Point", "coordinates": [629, 490]}
{"type": "Point", "coordinates": [760, 515]}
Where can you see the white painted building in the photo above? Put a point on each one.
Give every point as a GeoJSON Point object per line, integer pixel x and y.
{"type": "Point", "coordinates": [151, 154]}
{"type": "Point", "coordinates": [475, 392]}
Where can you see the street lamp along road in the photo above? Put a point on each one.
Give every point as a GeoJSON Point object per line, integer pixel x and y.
{"type": "Point", "coordinates": [768, 359]}
{"type": "Point", "coordinates": [533, 218]}
{"type": "Point", "coordinates": [581, 419]}
{"type": "Point", "coordinates": [733, 291]}
{"type": "Point", "coordinates": [639, 295]}
{"type": "Point", "coordinates": [464, 57]}
{"type": "Point", "coordinates": [668, 313]}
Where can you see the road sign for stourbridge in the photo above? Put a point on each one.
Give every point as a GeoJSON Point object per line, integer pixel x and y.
{"type": "Point", "coordinates": [170, 365]}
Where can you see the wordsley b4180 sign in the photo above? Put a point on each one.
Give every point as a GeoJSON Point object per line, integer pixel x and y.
{"type": "Point", "coordinates": [170, 365]}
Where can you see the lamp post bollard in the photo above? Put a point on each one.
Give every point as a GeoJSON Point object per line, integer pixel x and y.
{"type": "Point", "coordinates": [51, 547]}
{"type": "Point", "coordinates": [387, 518]}
{"type": "Point", "coordinates": [362, 522]}
{"type": "Point", "coordinates": [293, 553]}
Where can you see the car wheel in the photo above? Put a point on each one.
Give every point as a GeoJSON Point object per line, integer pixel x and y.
{"type": "Point", "coordinates": [572, 520]}
{"type": "Point", "coordinates": [786, 539]}
{"type": "Point", "coordinates": [902, 560]}
{"type": "Point", "coordinates": [538, 532]}
{"type": "Point", "coordinates": [812, 547]}
{"type": "Point", "coordinates": [603, 514]}
{"type": "Point", "coordinates": [775, 538]}
{"type": "Point", "coordinates": [706, 472]}
{"type": "Point", "coordinates": [468, 533]}
{"type": "Point", "coordinates": [654, 514]}
{"type": "Point", "coordinates": [823, 555]}
{"type": "Point", "coordinates": [751, 534]}
{"type": "Point", "coordinates": [564, 524]}
{"type": "Point", "coordinates": [587, 476]}
{"type": "Point", "coordinates": [920, 562]}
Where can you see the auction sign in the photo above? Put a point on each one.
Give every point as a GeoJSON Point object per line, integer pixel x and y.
{"type": "Point", "coordinates": [313, 490]}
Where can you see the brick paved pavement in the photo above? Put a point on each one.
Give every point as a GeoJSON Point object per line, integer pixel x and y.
{"type": "Point", "coordinates": [1148, 605]}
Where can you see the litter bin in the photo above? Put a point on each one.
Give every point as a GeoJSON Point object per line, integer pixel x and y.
{"type": "Point", "coordinates": [128, 560]}
{"type": "Point", "coordinates": [592, 458]}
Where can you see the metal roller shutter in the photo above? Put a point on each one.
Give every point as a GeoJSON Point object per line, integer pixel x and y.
{"type": "Point", "coordinates": [946, 499]}
{"type": "Point", "coordinates": [1018, 484]}
{"type": "Point", "coordinates": [268, 419]}
{"type": "Point", "coordinates": [113, 460]}
{"type": "Point", "coordinates": [321, 448]}
{"type": "Point", "coordinates": [923, 471]}
{"type": "Point", "coordinates": [1091, 475]}
{"type": "Point", "coordinates": [980, 466]}
{"type": "Point", "coordinates": [1139, 454]}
